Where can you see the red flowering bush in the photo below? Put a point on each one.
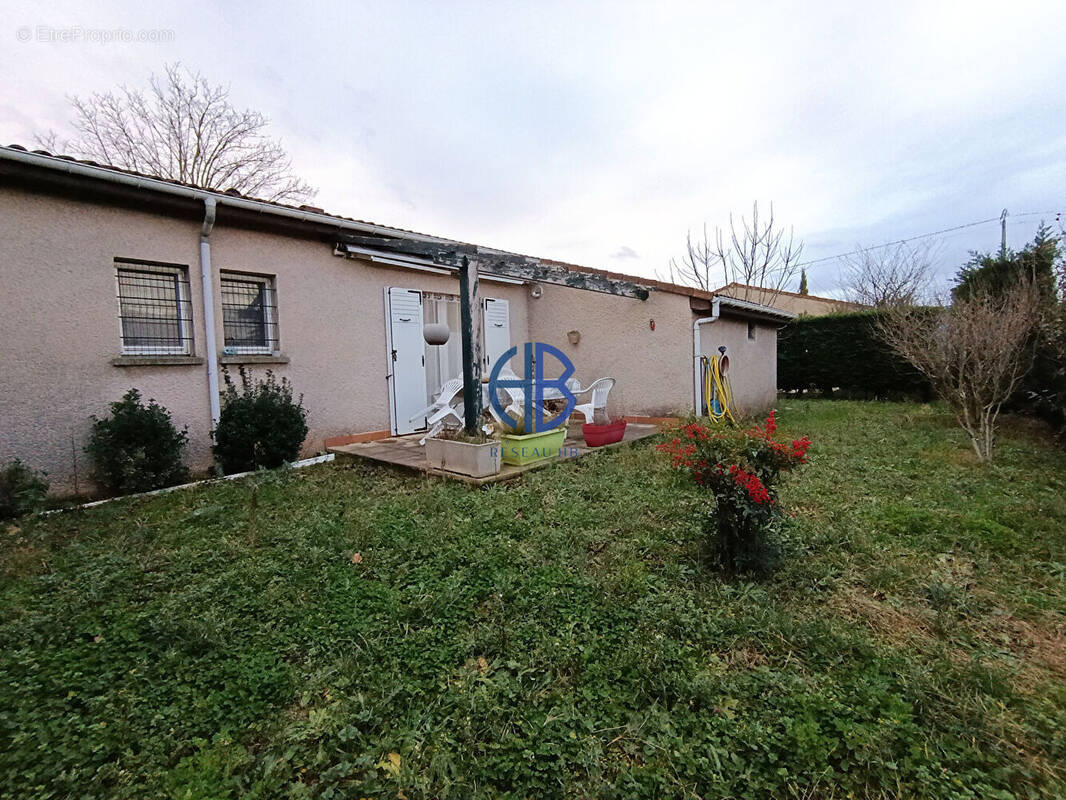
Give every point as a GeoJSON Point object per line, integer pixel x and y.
{"type": "Point", "coordinates": [740, 469]}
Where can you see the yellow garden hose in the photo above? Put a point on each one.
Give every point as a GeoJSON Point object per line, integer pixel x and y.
{"type": "Point", "coordinates": [717, 393]}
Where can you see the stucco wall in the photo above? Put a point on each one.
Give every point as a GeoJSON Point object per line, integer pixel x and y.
{"type": "Point", "coordinates": [752, 363]}
{"type": "Point", "coordinates": [653, 368]}
{"type": "Point", "coordinates": [331, 314]}
{"type": "Point", "coordinates": [60, 329]}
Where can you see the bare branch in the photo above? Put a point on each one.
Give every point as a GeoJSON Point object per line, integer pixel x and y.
{"type": "Point", "coordinates": [756, 255]}
{"type": "Point", "coordinates": [974, 352]}
{"type": "Point", "coordinates": [892, 276]}
{"type": "Point", "coordinates": [697, 266]}
{"type": "Point", "coordinates": [184, 129]}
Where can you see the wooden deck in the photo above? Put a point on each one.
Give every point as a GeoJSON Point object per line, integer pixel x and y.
{"type": "Point", "coordinates": [405, 452]}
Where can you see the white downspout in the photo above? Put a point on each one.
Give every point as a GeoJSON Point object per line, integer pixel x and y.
{"type": "Point", "coordinates": [209, 310]}
{"type": "Point", "coordinates": [716, 310]}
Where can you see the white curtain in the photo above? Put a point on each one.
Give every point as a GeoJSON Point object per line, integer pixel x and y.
{"type": "Point", "coordinates": [445, 361]}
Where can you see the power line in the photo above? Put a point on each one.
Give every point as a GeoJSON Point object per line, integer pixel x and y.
{"type": "Point", "coordinates": [921, 236]}
{"type": "Point", "coordinates": [901, 241]}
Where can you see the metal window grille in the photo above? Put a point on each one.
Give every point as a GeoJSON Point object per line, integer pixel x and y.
{"type": "Point", "coordinates": [155, 313]}
{"type": "Point", "coordinates": [249, 314]}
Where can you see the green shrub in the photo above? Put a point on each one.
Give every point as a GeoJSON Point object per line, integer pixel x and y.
{"type": "Point", "coordinates": [137, 448]}
{"type": "Point", "coordinates": [21, 490]}
{"type": "Point", "coordinates": [260, 426]}
{"type": "Point", "coordinates": [843, 351]}
{"type": "Point", "coordinates": [1043, 390]}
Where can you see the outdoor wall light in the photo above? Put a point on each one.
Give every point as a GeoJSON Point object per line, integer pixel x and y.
{"type": "Point", "coordinates": [573, 336]}
{"type": "Point", "coordinates": [535, 290]}
{"type": "Point", "coordinates": [436, 333]}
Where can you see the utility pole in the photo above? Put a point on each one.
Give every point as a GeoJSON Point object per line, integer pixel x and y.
{"type": "Point", "coordinates": [1003, 236]}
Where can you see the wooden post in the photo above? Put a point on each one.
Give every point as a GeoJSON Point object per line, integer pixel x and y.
{"type": "Point", "coordinates": [471, 321]}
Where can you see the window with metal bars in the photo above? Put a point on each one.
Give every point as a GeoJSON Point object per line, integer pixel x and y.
{"type": "Point", "coordinates": [155, 313]}
{"type": "Point", "coordinates": [249, 313]}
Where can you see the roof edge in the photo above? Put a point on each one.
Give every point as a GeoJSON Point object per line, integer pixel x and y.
{"type": "Point", "coordinates": [749, 308]}
{"type": "Point", "coordinates": [301, 214]}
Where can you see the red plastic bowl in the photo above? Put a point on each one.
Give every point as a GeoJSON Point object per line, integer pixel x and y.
{"type": "Point", "coordinates": [599, 435]}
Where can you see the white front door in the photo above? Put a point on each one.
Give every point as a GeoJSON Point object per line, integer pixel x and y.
{"type": "Point", "coordinates": [497, 330]}
{"type": "Point", "coordinates": [406, 359]}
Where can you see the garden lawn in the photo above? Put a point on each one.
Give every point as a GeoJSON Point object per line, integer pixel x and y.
{"type": "Point", "coordinates": [559, 637]}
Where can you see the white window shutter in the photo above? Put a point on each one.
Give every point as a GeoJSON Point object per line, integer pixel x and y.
{"type": "Point", "coordinates": [497, 330]}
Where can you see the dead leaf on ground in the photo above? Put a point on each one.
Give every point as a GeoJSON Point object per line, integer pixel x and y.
{"type": "Point", "coordinates": [391, 764]}
{"type": "Point", "coordinates": [357, 558]}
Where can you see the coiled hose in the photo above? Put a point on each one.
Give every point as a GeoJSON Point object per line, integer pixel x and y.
{"type": "Point", "coordinates": [717, 393]}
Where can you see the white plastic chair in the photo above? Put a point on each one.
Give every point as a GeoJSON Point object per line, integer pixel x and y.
{"type": "Point", "coordinates": [598, 391]}
{"type": "Point", "coordinates": [516, 396]}
{"type": "Point", "coordinates": [441, 411]}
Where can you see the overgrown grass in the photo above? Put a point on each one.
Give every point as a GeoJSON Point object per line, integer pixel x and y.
{"type": "Point", "coordinates": [555, 638]}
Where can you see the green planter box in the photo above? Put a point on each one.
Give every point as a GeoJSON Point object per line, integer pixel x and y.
{"type": "Point", "coordinates": [530, 447]}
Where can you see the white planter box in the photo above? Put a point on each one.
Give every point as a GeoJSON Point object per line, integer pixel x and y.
{"type": "Point", "coordinates": [474, 460]}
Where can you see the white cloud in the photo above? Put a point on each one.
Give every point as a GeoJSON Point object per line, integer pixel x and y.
{"type": "Point", "coordinates": [562, 129]}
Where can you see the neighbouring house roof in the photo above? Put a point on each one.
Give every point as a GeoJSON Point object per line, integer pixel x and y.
{"type": "Point", "coordinates": [312, 215]}
{"type": "Point", "coordinates": [790, 301]}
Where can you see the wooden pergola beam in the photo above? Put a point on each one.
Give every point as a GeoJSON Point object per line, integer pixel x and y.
{"type": "Point", "coordinates": [451, 254]}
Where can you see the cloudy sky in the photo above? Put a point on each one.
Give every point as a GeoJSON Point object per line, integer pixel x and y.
{"type": "Point", "coordinates": [599, 132]}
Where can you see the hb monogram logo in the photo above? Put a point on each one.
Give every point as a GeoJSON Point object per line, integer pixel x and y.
{"type": "Point", "coordinates": [533, 386]}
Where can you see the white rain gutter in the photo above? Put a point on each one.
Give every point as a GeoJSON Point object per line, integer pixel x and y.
{"type": "Point", "coordinates": [208, 282]}
{"type": "Point", "coordinates": [165, 187]}
{"type": "Point", "coordinates": [716, 311]}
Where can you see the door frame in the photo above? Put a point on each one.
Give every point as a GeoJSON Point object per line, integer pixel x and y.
{"type": "Point", "coordinates": [390, 371]}
{"type": "Point", "coordinates": [390, 374]}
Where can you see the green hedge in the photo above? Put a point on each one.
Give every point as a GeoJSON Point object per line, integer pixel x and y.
{"type": "Point", "coordinates": [842, 352]}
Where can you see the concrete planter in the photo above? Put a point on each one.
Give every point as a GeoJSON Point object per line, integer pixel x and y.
{"type": "Point", "coordinates": [464, 458]}
{"type": "Point", "coordinates": [530, 447]}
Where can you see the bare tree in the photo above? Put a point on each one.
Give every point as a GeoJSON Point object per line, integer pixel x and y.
{"type": "Point", "coordinates": [698, 266]}
{"type": "Point", "coordinates": [974, 352]}
{"type": "Point", "coordinates": [185, 129]}
{"type": "Point", "coordinates": [901, 275]}
{"type": "Point", "coordinates": [759, 256]}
